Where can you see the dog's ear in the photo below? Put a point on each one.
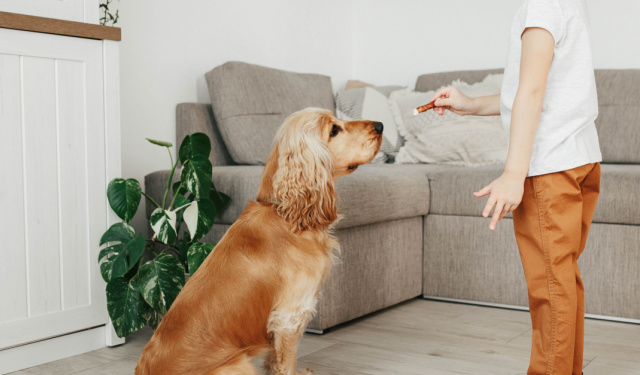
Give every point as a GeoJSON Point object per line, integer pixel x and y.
{"type": "Point", "coordinates": [303, 184]}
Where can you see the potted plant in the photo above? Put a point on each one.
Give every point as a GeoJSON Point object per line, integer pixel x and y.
{"type": "Point", "coordinates": [107, 15]}
{"type": "Point", "coordinates": [144, 276]}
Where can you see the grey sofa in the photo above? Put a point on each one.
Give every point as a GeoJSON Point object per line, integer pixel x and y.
{"type": "Point", "coordinates": [416, 230]}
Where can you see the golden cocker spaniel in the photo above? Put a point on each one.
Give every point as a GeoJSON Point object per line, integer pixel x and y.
{"type": "Point", "coordinates": [257, 290]}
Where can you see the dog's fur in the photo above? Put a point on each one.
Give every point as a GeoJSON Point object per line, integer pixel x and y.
{"type": "Point", "coordinates": [257, 290]}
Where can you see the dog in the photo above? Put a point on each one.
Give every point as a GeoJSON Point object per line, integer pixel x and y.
{"type": "Point", "coordinates": [257, 290]}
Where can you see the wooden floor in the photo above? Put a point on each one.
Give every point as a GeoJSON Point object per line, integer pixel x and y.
{"type": "Point", "coordinates": [416, 337]}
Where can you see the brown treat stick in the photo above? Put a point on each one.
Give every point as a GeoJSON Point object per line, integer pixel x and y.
{"type": "Point", "coordinates": [424, 108]}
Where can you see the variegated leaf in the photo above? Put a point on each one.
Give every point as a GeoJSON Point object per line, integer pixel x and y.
{"type": "Point", "coordinates": [163, 223]}
{"type": "Point", "coordinates": [196, 176]}
{"type": "Point", "coordinates": [194, 144]}
{"type": "Point", "coordinates": [196, 254]}
{"type": "Point", "coordinates": [123, 252]}
{"type": "Point", "coordinates": [160, 281]}
{"type": "Point", "coordinates": [126, 307]}
{"type": "Point", "coordinates": [124, 197]}
{"type": "Point", "coordinates": [199, 217]}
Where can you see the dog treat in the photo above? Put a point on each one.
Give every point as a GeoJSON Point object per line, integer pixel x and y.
{"type": "Point", "coordinates": [424, 108]}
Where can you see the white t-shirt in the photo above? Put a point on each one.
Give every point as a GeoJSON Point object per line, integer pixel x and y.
{"type": "Point", "coordinates": [567, 136]}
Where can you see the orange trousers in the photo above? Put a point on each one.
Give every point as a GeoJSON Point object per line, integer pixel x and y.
{"type": "Point", "coordinates": [551, 225]}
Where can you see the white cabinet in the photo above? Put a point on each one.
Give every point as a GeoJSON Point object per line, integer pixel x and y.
{"type": "Point", "coordinates": [59, 146]}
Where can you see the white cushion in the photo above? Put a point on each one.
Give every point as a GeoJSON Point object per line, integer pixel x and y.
{"type": "Point", "coordinates": [449, 139]}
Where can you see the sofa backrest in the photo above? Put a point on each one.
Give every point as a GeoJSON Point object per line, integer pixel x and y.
{"type": "Point", "coordinates": [198, 118]}
{"type": "Point", "coordinates": [250, 102]}
{"type": "Point", "coordinates": [428, 82]}
{"type": "Point", "coordinates": [619, 115]}
{"type": "Point", "coordinates": [618, 121]}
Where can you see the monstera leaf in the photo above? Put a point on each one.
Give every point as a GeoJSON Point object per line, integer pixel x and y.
{"type": "Point", "coordinates": [163, 223]}
{"type": "Point", "coordinates": [196, 254]}
{"type": "Point", "coordinates": [220, 200]}
{"type": "Point", "coordinates": [124, 252]}
{"type": "Point", "coordinates": [196, 175]}
{"type": "Point", "coordinates": [160, 281]}
{"type": "Point", "coordinates": [184, 247]}
{"type": "Point", "coordinates": [176, 186]}
{"type": "Point", "coordinates": [124, 197]}
{"type": "Point", "coordinates": [199, 217]}
{"type": "Point", "coordinates": [153, 319]}
{"type": "Point", "coordinates": [159, 143]}
{"type": "Point", "coordinates": [181, 202]}
{"type": "Point", "coordinates": [127, 309]}
{"type": "Point", "coordinates": [194, 144]}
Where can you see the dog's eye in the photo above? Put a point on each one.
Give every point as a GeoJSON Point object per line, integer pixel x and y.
{"type": "Point", "coordinates": [334, 131]}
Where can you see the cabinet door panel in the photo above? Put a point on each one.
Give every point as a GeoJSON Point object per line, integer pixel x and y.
{"type": "Point", "coordinates": [52, 97]}
{"type": "Point", "coordinates": [72, 180]}
{"type": "Point", "coordinates": [41, 188]}
{"type": "Point", "coordinates": [13, 288]}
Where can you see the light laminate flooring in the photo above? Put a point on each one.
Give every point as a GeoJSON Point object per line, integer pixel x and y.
{"type": "Point", "coordinates": [416, 337]}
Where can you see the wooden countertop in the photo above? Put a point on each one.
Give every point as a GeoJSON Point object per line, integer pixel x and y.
{"type": "Point", "coordinates": [59, 27]}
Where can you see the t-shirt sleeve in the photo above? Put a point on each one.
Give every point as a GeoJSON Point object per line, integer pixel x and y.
{"type": "Point", "coordinates": [546, 14]}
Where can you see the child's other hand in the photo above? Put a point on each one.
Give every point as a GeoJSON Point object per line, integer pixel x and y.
{"type": "Point", "coordinates": [452, 99]}
{"type": "Point", "coordinates": [506, 194]}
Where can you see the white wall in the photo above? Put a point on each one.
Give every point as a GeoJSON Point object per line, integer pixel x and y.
{"type": "Point", "coordinates": [395, 41]}
{"type": "Point", "coordinates": [615, 27]}
{"type": "Point", "coordinates": [167, 47]}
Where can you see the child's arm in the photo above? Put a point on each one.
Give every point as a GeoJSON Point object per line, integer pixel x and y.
{"type": "Point", "coordinates": [452, 99]}
{"type": "Point", "coordinates": [506, 191]}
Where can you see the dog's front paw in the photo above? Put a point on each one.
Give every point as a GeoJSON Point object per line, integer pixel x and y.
{"type": "Point", "coordinates": [305, 372]}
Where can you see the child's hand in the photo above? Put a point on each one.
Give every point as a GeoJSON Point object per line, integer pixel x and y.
{"type": "Point", "coordinates": [506, 194]}
{"type": "Point", "coordinates": [452, 99]}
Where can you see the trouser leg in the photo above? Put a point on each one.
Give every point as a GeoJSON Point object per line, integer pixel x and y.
{"type": "Point", "coordinates": [590, 187]}
{"type": "Point", "coordinates": [549, 226]}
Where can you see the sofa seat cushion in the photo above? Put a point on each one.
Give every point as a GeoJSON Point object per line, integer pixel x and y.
{"type": "Point", "coordinates": [372, 194]}
{"type": "Point", "coordinates": [452, 189]}
{"type": "Point", "coordinates": [382, 192]}
{"type": "Point", "coordinates": [619, 201]}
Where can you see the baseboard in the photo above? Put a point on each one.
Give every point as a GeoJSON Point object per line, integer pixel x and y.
{"type": "Point", "coordinates": [612, 318]}
{"type": "Point", "coordinates": [37, 353]}
{"type": "Point", "coordinates": [315, 331]}
{"type": "Point", "coordinates": [521, 308]}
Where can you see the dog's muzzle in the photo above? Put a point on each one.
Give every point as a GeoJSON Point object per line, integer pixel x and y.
{"type": "Point", "coordinates": [378, 127]}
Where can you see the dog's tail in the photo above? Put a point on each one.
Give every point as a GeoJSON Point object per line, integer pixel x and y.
{"type": "Point", "coordinates": [240, 364]}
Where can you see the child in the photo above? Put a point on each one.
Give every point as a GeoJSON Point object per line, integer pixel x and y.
{"type": "Point", "coordinates": [551, 179]}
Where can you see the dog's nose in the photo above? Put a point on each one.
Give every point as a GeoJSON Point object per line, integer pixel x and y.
{"type": "Point", "coordinates": [378, 127]}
